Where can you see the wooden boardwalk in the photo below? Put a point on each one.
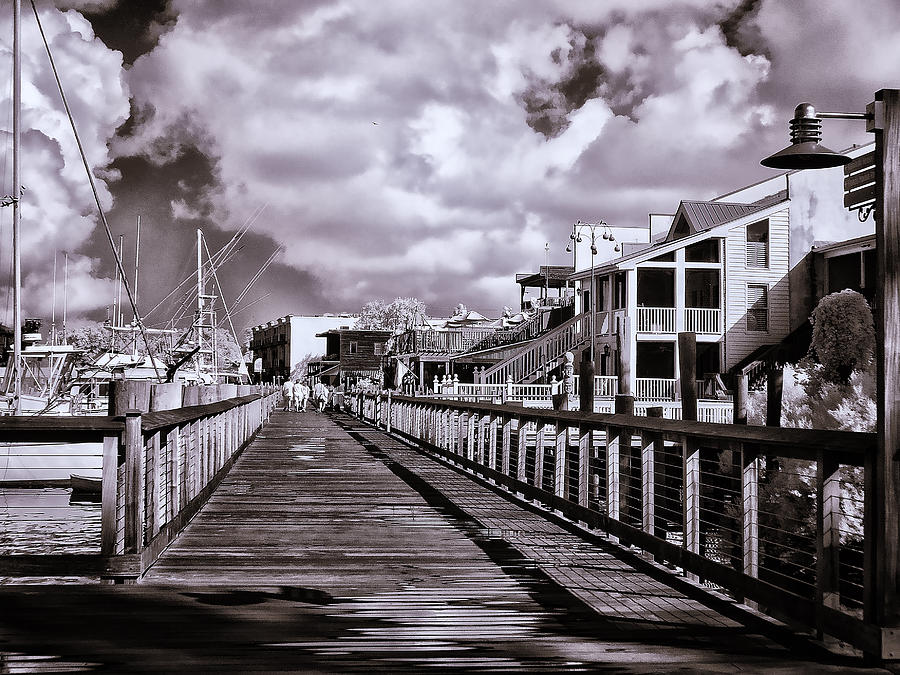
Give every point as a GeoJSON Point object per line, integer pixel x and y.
{"type": "Point", "coordinates": [333, 547]}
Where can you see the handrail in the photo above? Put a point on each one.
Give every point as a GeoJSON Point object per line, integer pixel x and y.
{"type": "Point", "coordinates": [158, 469]}
{"type": "Point", "coordinates": [712, 488]}
{"type": "Point", "coordinates": [528, 359]}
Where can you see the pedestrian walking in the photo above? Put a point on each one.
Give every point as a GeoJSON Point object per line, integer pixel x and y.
{"type": "Point", "coordinates": [287, 391]}
{"type": "Point", "coordinates": [301, 392]}
{"type": "Point", "coordinates": [320, 396]}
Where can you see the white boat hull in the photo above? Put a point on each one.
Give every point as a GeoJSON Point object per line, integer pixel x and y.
{"type": "Point", "coordinates": [49, 462]}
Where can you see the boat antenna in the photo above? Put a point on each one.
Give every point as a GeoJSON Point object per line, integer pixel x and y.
{"type": "Point", "coordinates": [90, 175]}
{"type": "Point", "coordinates": [16, 193]}
{"type": "Point", "coordinates": [53, 304]}
{"type": "Point", "coordinates": [65, 337]}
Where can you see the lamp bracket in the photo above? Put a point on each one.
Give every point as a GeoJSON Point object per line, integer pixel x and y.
{"type": "Point", "coordinates": [875, 116]}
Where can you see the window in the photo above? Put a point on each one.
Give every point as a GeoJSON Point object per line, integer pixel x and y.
{"type": "Point", "coordinates": [353, 347]}
{"type": "Point", "coordinates": [757, 307]}
{"type": "Point", "coordinates": [379, 348]}
{"type": "Point", "coordinates": [620, 290]}
{"type": "Point", "coordinates": [602, 293]}
{"type": "Point", "coordinates": [758, 244]}
{"type": "Point", "coordinates": [706, 251]}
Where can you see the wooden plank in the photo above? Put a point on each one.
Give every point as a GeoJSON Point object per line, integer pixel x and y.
{"type": "Point", "coordinates": [613, 482]}
{"type": "Point", "coordinates": [108, 488]}
{"type": "Point", "coordinates": [750, 510]}
{"type": "Point", "coordinates": [560, 484]}
{"type": "Point", "coordinates": [691, 496]}
{"type": "Point", "coordinates": [154, 485]}
{"type": "Point", "coordinates": [584, 463]}
{"type": "Point", "coordinates": [134, 479]}
{"type": "Point", "coordinates": [863, 195]}
{"type": "Point", "coordinates": [538, 477]}
{"type": "Point", "coordinates": [859, 163]}
{"type": "Point", "coordinates": [506, 449]}
{"type": "Point", "coordinates": [522, 450]}
{"type": "Point", "coordinates": [859, 179]}
{"type": "Point", "coordinates": [828, 538]}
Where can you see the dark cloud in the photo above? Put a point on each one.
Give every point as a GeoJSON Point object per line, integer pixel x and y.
{"type": "Point", "coordinates": [741, 31]}
{"type": "Point", "coordinates": [133, 28]}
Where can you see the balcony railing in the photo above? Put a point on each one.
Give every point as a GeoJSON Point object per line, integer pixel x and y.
{"type": "Point", "coordinates": [656, 319]}
{"type": "Point", "coordinates": [703, 320]}
{"type": "Point", "coordinates": [654, 389]}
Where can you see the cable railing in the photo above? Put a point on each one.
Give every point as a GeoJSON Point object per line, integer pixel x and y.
{"type": "Point", "coordinates": [774, 517]}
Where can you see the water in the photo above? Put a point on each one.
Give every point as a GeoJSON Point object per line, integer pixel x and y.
{"type": "Point", "coordinates": [47, 520]}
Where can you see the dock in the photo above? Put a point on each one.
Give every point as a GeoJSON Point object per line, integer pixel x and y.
{"type": "Point", "coordinates": [334, 546]}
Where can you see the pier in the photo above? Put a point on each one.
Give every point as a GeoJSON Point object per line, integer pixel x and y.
{"type": "Point", "coordinates": [329, 543]}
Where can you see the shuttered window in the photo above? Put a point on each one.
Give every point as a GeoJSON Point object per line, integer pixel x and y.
{"type": "Point", "coordinates": [757, 307]}
{"type": "Point", "coordinates": [758, 244]}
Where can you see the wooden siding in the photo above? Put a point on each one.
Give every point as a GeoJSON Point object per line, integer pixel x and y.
{"type": "Point", "coordinates": [739, 342]}
{"type": "Point", "coordinates": [365, 357]}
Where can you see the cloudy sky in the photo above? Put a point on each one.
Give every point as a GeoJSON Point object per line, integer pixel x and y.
{"type": "Point", "coordinates": [402, 148]}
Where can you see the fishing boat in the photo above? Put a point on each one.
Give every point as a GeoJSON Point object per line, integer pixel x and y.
{"type": "Point", "coordinates": [86, 484]}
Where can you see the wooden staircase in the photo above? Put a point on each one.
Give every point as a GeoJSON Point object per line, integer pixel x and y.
{"type": "Point", "coordinates": [529, 361]}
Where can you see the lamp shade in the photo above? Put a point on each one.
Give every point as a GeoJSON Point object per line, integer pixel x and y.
{"type": "Point", "coordinates": [805, 156]}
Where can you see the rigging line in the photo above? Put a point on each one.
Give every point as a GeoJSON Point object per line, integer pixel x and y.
{"type": "Point", "coordinates": [90, 176]}
{"type": "Point", "coordinates": [250, 304]}
{"type": "Point", "coordinates": [258, 274]}
{"type": "Point", "coordinates": [190, 295]}
{"type": "Point", "coordinates": [191, 278]}
{"type": "Point", "coordinates": [224, 303]}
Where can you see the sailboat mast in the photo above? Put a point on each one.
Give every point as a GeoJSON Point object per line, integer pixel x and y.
{"type": "Point", "coordinates": [137, 264]}
{"type": "Point", "coordinates": [53, 304]}
{"type": "Point", "coordinates": [65, 336]}
{"type": "Point", "coordinates": [16, 193]}
{"type": "Point", "coordinates": [199, 301]}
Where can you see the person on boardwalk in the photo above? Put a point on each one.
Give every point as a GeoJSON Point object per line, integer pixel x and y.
{"type": "Point", "coordinates": [287, 391]}
{"type": "Point", "coordinates": [301, 394]}
{"type": "Point", "coordinates": [320, 396]}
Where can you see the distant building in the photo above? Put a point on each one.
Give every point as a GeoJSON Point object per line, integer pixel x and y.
{"type": "Point", "coordinates": [282, 343]}
{"type": "Point", "coordinates": [351, 355]}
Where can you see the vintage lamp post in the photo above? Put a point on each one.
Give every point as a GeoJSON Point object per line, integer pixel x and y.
{"type": "Point", "coordinates": [876, 182]}
{"type": "Point", "coordinates": [598, 230]}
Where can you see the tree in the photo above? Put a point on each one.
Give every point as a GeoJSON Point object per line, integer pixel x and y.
{"type": "Point", "coordinates": [843, 336]}
{"type": "Point", "coordinates": [401, 314]}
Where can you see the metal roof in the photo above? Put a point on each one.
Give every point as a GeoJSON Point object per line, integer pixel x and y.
{"type": "Point", "coordinates": [706, 215]}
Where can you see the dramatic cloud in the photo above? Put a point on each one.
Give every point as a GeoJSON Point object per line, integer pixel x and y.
{"type": "Point", "coordinates": [58, 211]}
{"type": "Point", "coordinates": [395, 160]}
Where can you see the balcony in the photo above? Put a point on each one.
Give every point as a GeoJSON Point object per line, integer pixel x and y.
{"type": "Point", "coordinates": [654, 389]}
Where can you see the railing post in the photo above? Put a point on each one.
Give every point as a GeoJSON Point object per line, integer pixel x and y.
{"type": "Point", "coordinates": [154, 475]}
{"type": "Point", "coordinates": [613, 458]}
{"type": "Point", "coordinates": [650, 442]}
{"type": "Point", "coordinates": [828, 535]}
{"type": "Point", "coordinates": [390, 413]}
{"type": "Point", "coordinates": [750, 511]}
{"type": "Point", "coordinates": [539, 455]}
{"type": "Point", "coordinates": [521, 450]}
{"type": "Point", "coordinates": [505, 448]}
{"type": "Point", "coordinates": [134, 482]}
{"type": "Point", "coordinates": [560, 468]}
{"type": "Point", "coordinates": [691, 498]}
{"type": "Point", "coordinates": [109, 491]}
{"type": "Point", "coordinates": [584, 465]}
{"type": "Point", "coordinates": [492, 440]}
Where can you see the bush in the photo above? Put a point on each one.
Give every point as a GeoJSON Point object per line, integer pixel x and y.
{"type": "Point", "coordinates": [843, 338]}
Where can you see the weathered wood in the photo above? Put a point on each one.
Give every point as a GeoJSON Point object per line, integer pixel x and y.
{"type": "Point", "coordinates": [108, 488]}
{"type": "Point", "coordinates": [561, 457]}
{"type": "Point", "coordinates": [750, 510]}
{"type": "Point", "coordinates": [585, 436]}
{"type": "Point", "coordinates": [650, 443]}
{"type": "Point", "coordinates": [687, 374]}
{"type": "Point", "coordinates": [623, 341]}
{"type": "Point", "coordinates": [691, 496]}
{"type": "Point", "coordinates": [828, 537]}
{"type": "Point", "coordinates": [882, 536]}
{"type": "Point", "coordinates": [165, 396]}
{"type": "Point", "coordinates": [774, 390]}
{"type": "Point", "coordinates": [522, 450]}
{"type": "Point", "coordinates": [154, 483]}
{"type": "Point", "coordinates": [127, 395]}
{"type": "Point", "coordinates": [190, 395]}
{"type": "Point", "coordinates": [614, 437]}
{"type": "Point", "coordinates": [134, 479]}
{"type": "Point", "coordinates": [539, 456]}
{"type": "Point", "coordinates": [741, 394]}
{"type": "Point", "coordinates": [862, 195]}
{"type": "Point", "coordinates": [862, 162]}
{"type": "Point", "coordinates": [586, 383]}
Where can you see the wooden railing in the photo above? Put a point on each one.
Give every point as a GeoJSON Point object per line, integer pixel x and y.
{"type": "Point", "coordinates": [159, 468]}
{"type": "Point", "coordinates": [542, 352]}
{"type": "Point", "coordinates": [450, 341]}
{"type": "Point", "coordinates": [703, 320]}
{"type": "Point", "coordinates": [654, 389]}
{"type": "Point", "coordinates": [775, 517]}
{"type": "Point", "coordinates": [656, 319]}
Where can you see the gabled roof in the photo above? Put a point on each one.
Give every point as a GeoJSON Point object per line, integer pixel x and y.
{"type": "Point", "coordinates": [702, 216]}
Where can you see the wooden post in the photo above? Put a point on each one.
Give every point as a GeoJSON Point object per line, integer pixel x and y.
{"type": "Point", "coordinates": [127, 395]}
{"type": "Point", "coordinates": [165, 396]}
{"type": "Point", "coordinates": [882, 508]}
{"type": "Point", "coordinates": [586, 383]}
{"type": "Point", "coordinates": [134, 482]}
{"type": "Point", "coordinates": [828, 536]}
{"type": "Point", "coordinates": [390, 412]}
{"type": "Point", "coordinates": [506, 447]}
{"type": "Point", "coordinates": [584, 465]}
{"type": "Point", "coordinates": [624, 405]}
{"type": "Point", "coordinates": [750, 510]}
{"type": "Point", "coordinates": [190, 395]}
{"type": "Point", "coordinates": [109, 490]}
{"type": "Point", "coordinates": [623, 351]}
{"type": "Point", "coordinates": [560, 468]}
{"type": "Point", "coordinates": [539, 456]}
{"type": "Point", "coordinates": [741, 394]}
{"type": "Point", "coordinates": [494, 425]}
{"type": "Point", "coordinates": [613, 466]}
{"type": "Point", "coordinates": [774, 388]}
{"type": "Point", "coordinates": [522, 450]}
{"type": "Point", "coordinates": [650, 443]}
{"type": "Point", "coordinates": [691, 497]}
{"type": "Point", "coordinates": [687, 374]}
{"type": "Point", "coordinates": [154, 475]}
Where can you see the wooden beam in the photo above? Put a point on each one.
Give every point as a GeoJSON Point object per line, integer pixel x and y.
{"type": "Point", "coordinates": [687, 374]}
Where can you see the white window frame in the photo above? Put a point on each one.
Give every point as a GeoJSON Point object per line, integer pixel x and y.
{"type": "Point", "coordinates": [754, 311]}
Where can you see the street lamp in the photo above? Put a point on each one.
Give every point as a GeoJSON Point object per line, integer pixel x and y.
{"type": "Point", "coordinates": [882, 489]}
{"type": "Point", "coordinates": [575, 238]}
